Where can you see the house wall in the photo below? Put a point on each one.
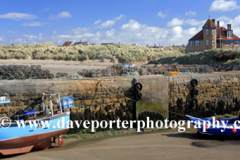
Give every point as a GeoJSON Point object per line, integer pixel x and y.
{"type": "Point", "coordinates": [231, 46]}
{"type": "Point", "coordinates": [202, 45]}
{"type": "Point", "coordinates": [209, 37]}
{"type": "Point", "coordinates": [194, 48]}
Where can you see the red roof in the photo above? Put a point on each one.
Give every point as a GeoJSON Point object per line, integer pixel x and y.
{"type": "Point", "coordinates": [198, 36]}
{"type": "Point", "coordinates": [68, 43]}
{"type": "Point", "coordinates": [224, 36]}
{"type": "Point", "coordinates": [209, 23]}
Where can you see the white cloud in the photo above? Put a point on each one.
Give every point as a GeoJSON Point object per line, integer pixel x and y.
{"type": "Point", "coordinates": [109, 23]}
{"type": "Point", "coordinates": [131, 32]}
{"type": "Point", "coordinates": [190, 13]}
{"type": "Point", "coordinates": [13, 32]}
{"type": "Point", "coordinates": [97, 22]}
{"type": "Point", "coordinates": [46, 9]}
{"type": "Point", "coordinates": [33, 24]}
{"type": "Point", "coordinates": [175, 22]}
{"type": "Point", "coordinates": [70, 36]}
{"type": "Point", "coordinates": [29, 36]}
{"type": "Point", "coordinates": [88, 35]}
{"type": "Point", "coordinates": [54, 32]}
{"type": "Point", "coordinates": [80, 30]}
{"type": "Point", "coordinates": [160, 14]}
{"type": "Point", "coordinates": [64, 36]}
{"type": "Point", "coordinates": [61, 15]}
{"type": "Point", "coordinates": [193, 22]}
{"type": "Point", "coordinates": [18, 16]}
{"type": "Point", "coordinates": [222, 5]}
{"type": "Point", "coordinates": [132, 25]}
{"type": "Point", "coordinates": [119, 17]}
{"type": "Point", "coordinates": [106, 24]}
{"type": "Point", "coordinates": [1, 39]}
{"type": "Point", "coordinates": [223, 18]}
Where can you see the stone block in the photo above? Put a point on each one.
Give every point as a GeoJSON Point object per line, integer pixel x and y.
{"type": "Point", "coordinates": [113, 96]}
{"type": "Point", "coordinates": [76, 103]}
{"type": "Point", "coordinates": [213, 94]}
{"type": "Point", "coordinates": [116, 105]}
{"type": "Point", "coordinates": [4, 109]}
{"type": "Point", "coordinates": [87, 102]}
{"type": "Point", "coordinates": [113, 100]}
{"type": "Point", "coordinates": [98, 101]}
{"type": "Point", "coordinates": [120, 95]}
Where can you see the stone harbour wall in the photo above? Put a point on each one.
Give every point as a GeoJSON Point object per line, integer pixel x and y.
{"type": "Point", "coordinates": [217, 95]}
{"type": "Point", "coordinates": [93, 100]}
{"type": "Point", "coordinates": [113, 98]}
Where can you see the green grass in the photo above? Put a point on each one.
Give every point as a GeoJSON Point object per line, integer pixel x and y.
{"type": "Point", "coordinates": [113, 132]}
{"type": "Point", "coordinates": [205, 57]}
{"type": "Point", "coordinates": [83, 136]}
{"type": "Point", "coordinates": [105, 133]}
{"type": "Point", "coordinates": [152, 107]}
{"type": "Point", "coordinates": [70, 137]}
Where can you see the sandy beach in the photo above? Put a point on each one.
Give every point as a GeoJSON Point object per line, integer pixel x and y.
{"type": "Point", "coordinates": [159, 145]}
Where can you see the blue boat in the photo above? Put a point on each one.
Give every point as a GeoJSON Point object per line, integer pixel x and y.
{"type": "Point", "coordinates": [226, 126]}
{"type": "Point", "coordinates": [34, 129]}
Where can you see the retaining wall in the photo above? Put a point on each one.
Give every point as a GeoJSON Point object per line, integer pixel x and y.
{"type": "Point", "coordinates": [112, 98]}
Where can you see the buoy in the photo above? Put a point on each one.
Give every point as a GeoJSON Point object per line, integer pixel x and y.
{"type": "Point", "coordinates": [234, 130]}
{"type": "Point", "coordinates": [194, 82]}
{"type": "Point", "coordinates": [138, 87]}
{"type": "Point", "coordinates": [207, 127]}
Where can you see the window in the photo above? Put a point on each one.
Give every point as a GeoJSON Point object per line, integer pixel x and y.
{"type": "Point", "coordinates": [236, 43]}
{"type": "Point", "coordinates": [229, 34]}
{"type": "Point", "coordinates": [207, 42]}
{"type": "Point", "coordinates": [190, 43]}
{"type": "Point", "coordinates": [197, 43]}
{"type": "Point", "coordinates": [213, 31]}
{"type": "Point", "coordinates": [227, 43]}
{"type": "Point", "coordinates": [207, 31]}
{"type": "Point", "coordinates": [189, 52]}
{"type": "Point", "coordinates": [213, 42]}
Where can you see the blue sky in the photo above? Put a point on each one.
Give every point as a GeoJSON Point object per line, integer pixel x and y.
{"type": "Point", "coordinates": [139, 22]}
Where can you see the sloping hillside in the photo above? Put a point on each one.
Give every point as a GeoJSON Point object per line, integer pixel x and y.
{"type": "Point", "coordinates": [205, 57]}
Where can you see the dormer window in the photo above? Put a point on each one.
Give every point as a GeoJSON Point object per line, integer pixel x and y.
{"type": "Point", "coordinates": [207, 32]}
{"type": "Point", "coordinates": [230, 34]}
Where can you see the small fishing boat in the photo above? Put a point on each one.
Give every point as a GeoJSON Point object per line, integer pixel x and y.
{"type": "Point", "coordinates": [213, 126]}
{"type": "Point", "coordinates": [37, 127]}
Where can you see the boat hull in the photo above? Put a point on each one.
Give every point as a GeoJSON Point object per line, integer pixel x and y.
{"type": "Point", "coordinates": [15, 140]}
{"type": "Point", "coordinates": [217, 129]}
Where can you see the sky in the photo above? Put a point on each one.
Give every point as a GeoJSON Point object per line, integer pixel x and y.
{"type": "Point", "coordinates": [139, 22]}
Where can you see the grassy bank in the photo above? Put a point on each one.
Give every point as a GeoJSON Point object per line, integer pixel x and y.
{"type": "Point", "coordinates": [205, 57]}
{"type": "Point", "coordinates": [121, 52]}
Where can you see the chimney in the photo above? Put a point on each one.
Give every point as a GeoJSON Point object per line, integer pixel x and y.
{"type": "Point", "coordinates": [213, 21]}
{"type": "Point", "coordinates": [217, 23]}
{"type": "Point", "coordinates": [229, 26]}
{"type": "Point", "coordinates": [155, 45]}
{"type": "Point", "coordinates": [147, 45]}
